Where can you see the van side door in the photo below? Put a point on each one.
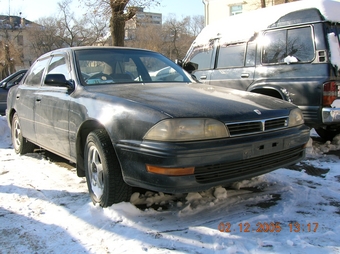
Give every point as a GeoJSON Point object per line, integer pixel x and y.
{"type": "Point", "coordinates": [234, 65]}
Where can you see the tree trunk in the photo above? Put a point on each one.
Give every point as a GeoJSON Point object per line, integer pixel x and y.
{"type": "Point", "coordinates": [118, 19]}
{"type": "Point", "coordinates": [263, 3]}
{"type": "Point", "coordinates": [117, 27]}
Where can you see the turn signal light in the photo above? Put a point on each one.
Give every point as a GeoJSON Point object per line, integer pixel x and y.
{"type": "Point", "coordinates": [170, 171]}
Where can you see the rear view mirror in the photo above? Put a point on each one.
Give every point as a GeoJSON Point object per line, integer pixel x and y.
{"type": "Point", "coordinates": [58, 80]}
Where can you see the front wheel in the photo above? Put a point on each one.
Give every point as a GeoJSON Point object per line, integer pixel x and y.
{"type": "Point", "coordinates": [103, 173]}
{"type": "Point", "coordinates": [20, 144]}
{"type": "Point", "coordinates": [327, 133]}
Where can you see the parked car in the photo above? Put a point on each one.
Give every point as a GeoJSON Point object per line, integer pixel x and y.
{"type": "Point", "coordinates": [5, 85]}
{"type": "Point", "coordinates": [131, 117]}
{"type": "Point", "coordinates": [288, 51]}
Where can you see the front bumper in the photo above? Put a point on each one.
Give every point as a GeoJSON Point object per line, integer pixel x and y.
{"type": "Point", "coordinates": [216, 162]}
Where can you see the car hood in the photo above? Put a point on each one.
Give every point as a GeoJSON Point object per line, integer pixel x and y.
{"type": "Point", "coordinates": [197, 100]}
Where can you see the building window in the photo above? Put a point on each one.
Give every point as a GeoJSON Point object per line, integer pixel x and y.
{"type": "Point", "coordinates": [235, 9]}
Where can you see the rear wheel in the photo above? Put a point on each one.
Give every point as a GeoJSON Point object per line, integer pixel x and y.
{"type": "Point", "coordinates": [327, 133]}
{"type": "Point", "coordinates": [20, 144]}
{"type": "Point", "coordinates": [103, 173]}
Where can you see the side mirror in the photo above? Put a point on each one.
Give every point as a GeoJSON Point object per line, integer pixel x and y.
{"type": "Point", "coordinates": [179, 62]}
{"type": "Point", "coordinates": [58, 80]}
{"type": "Point", "coordinates": [190, 67]}
{"type": "Point", "coordinates": [3, 85]}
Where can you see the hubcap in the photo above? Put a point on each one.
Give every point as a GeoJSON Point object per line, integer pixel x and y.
{"type": "Point", "coordinates": [96, 175]}
{"type": "Point", "coordinates": [16, 135]}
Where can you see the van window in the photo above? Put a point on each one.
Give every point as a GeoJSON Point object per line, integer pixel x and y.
{"type": "Point", "coordinates": [251, 53]}
{"type": "Point", "coordinates": [201, 55]}
{"type": "Point", "coordinates": [296, 42]}
{"type": "Point", "coordinates": [231, 55]}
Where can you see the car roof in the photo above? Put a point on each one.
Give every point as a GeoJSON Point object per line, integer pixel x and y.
{"type": "Point", "coordinates": [72, 49]}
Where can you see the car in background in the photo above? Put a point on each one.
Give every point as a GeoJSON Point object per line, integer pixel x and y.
{"type": "Point", "coordinates": [5, 85]}
{"type": "Point", "coordinates": [133, 118]}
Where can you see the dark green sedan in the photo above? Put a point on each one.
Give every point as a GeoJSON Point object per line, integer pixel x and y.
{"type": "Point", "coordinates": [131, 117]}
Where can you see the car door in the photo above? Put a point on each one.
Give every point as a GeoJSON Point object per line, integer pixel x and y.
{"type": "Point", "coordinates": [52, 110]}
{"type": "Point", "coordinates": [25, 98]}
{"type": "Point", "coordinates": [234, 65]}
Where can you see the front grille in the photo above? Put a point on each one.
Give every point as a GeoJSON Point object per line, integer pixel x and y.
{"type": "Point", "coordinates": [234, 171]}
{"type": "Point", "coordinates": [245, 128]}
{"type": "Point", "coordinates": [275, 124]}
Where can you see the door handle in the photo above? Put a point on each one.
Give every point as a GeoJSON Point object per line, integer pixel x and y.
{"type": "Point", "coordinates": [245, 75]}
{"type": "Point", "coordinates": [203, 77]}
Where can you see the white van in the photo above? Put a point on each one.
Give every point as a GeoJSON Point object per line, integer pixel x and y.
{"type": "Point", "coordinates": [289, 51]}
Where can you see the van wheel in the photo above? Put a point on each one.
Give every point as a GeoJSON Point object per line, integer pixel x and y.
{"type": "Point", "coordinates": [102, 170]}
{"type": "Point", "coordinates": [20, 144]}
{"type": "Point", "coordinates": [326, 133]}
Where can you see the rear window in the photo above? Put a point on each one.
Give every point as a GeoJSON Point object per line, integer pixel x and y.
{"type": "Point", "coordinates": [280, 46]}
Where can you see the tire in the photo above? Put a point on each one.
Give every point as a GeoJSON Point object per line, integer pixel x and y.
{"type": "Point", "coordinates": [102, 170]}
{"type": "Point", "coordinates": [327, 134]}
{"type": "Point", "coordinates": [20, 144]}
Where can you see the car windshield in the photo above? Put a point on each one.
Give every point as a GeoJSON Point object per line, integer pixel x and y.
{"type": "Point", "coordinates": [110, 66]}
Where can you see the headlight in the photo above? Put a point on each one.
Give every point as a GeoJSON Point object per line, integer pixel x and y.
{"type": "Point", "coordinates": [295, 117]}
{"type": "Point", "coordinates": [187, 129]}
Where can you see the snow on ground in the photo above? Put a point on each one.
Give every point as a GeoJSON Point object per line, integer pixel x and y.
{"type": "Point", "coordinates": [45, 208]}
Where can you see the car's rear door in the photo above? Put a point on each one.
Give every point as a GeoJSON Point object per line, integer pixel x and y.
{"type": "Point", "coordinates": [25, 98]}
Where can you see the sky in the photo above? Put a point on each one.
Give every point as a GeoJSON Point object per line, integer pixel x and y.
{"type": "Point", "coordinates": [35, 9]}
{"type": "Point", "coordinates": [45, 208]}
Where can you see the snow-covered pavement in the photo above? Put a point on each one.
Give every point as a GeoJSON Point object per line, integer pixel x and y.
{"type": "Point", "coordinates": [45, 208]}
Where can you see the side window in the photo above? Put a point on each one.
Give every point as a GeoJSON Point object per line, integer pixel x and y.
{"type": "Point", "coordinates": [300, 44]}
{"type": "Point", "coordinates": [274, 48]}
{"type": "Point", "coordinates": [58, 66]}
{"type": "Point", "coordinates": [201, 56]}
{"type": "Point", "coordinates": [231, 55]}
{"type": "Point", "coordinates": [296, 43]}
{"type": "Point", "coordinates": [35, 75]}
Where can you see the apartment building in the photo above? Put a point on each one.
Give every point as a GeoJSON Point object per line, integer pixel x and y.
{"type": "Point", "coordinates": [14, 44]}
{"type": "Point", "coordinates": [141, 19]}
{"type": "Point", "coordinates": [215, 10]}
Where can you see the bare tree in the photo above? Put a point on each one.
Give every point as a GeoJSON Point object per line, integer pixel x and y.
{"type": "Point", "coordinates": [172, 39]}
{"type": "Point", "coordinates": [10, 49]}
{"type": "Point", "coordinates": [147, 37]}
{"type": "Point", "coordinates": [179, 34]}
{"type": "Point", "coordinates": [66, 30]}
{"type": "Point", "coordinates": [79, 32]}
{"type": "Point", "coordinates": [44, 37]}
{"type": "Point", "coordinates": [118, 13]}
